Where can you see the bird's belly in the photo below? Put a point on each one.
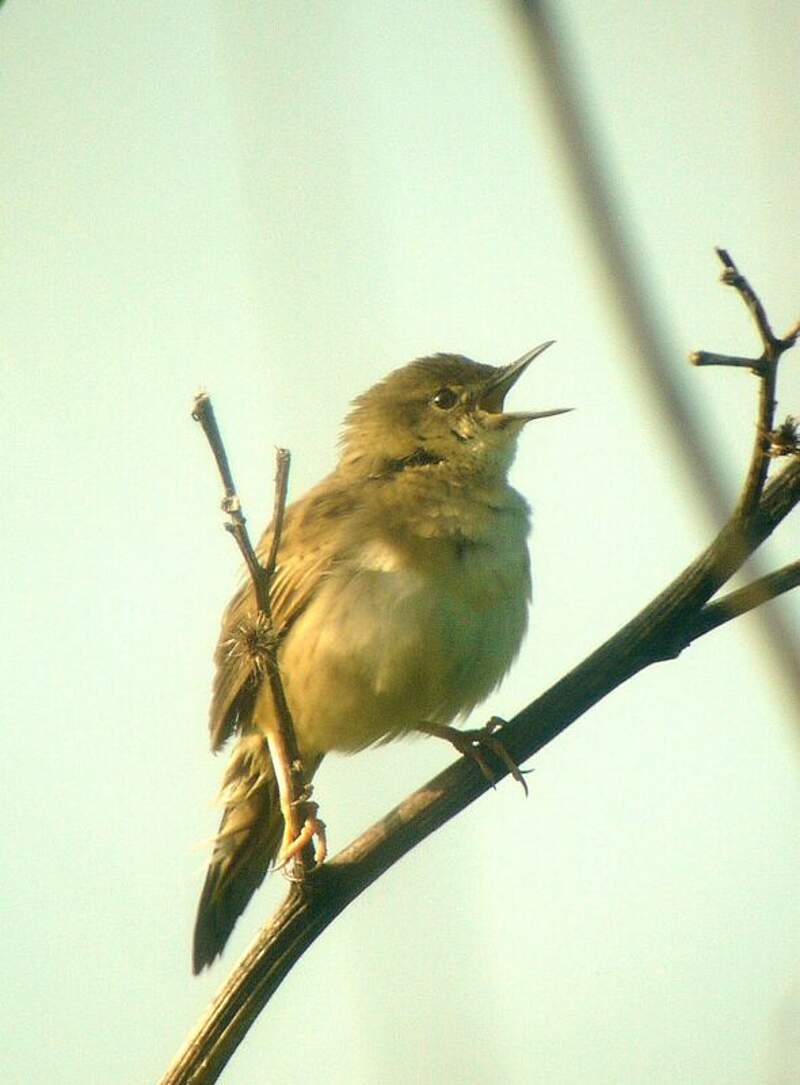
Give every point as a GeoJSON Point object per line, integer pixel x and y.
{"type": "Point", "coordinates": [381, 650]}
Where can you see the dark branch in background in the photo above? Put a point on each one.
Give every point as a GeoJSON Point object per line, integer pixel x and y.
{"type": "Point", "coordinates": [629, 286]}
{"type": "Point", "coordinates": [679, 615]}
{"type": "Point", "coordinates": [283, 741]}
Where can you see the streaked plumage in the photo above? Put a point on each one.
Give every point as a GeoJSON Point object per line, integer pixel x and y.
{"type": "Point", "coordinates": [400, 599]}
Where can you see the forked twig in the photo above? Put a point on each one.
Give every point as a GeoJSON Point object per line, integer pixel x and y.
{"type": "Point", "coordinates": [765, 368]}
{"type": "Point", "coordinates": [282, 741]}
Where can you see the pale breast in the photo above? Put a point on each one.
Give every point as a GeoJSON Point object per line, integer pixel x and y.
{"type": "Point", "coordinates": [395, 637]}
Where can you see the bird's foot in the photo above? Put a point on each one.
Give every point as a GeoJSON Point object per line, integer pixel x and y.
{"type": "Point", "coordinates": [477, 741]}
{"type": "Point", "coordinates": [312, 831]}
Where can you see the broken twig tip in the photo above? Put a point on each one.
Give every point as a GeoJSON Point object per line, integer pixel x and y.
{"type": "Point", "coordinates": [200, 404]}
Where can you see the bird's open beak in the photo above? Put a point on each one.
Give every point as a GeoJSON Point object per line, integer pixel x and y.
{"type": "Point", "coordinates": [494, 393]}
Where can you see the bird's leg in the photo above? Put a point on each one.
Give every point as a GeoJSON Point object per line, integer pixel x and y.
{"type": "Point", "coordinates": [475, 742]}
{"type": "Point", "coordinates": [313, 830]}
{"type": "Point", "coordinates": [301, 825]}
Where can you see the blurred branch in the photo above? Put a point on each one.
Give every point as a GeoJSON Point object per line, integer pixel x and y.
{"type": "Point", "coordinates": [679, 614]}
{"type": "Point", "coordinates": [627, 280]}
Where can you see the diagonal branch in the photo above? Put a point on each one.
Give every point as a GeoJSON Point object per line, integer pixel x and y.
{"type": "Point", "coordinates": [589, 168]}
{"type": "Point", "coordinates": [308, 909]}
{"type": "Point", "coordinates": [678, 615]}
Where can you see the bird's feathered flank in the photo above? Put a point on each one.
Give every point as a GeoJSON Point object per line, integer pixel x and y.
{"type": "Point", "coordinates": [307, 554]}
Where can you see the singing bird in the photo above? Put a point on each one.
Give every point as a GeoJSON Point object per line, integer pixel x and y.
{"type": "Point", "coordinates": [399, 600]}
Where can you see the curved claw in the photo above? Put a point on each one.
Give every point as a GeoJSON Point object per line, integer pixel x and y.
{"type": "Point", "coordinates": [313, 830]}
{"type": "Point", "coordinates": [472, 743]}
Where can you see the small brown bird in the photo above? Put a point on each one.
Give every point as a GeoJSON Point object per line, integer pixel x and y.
{"type": "Point", "coordinates": [400, 599]}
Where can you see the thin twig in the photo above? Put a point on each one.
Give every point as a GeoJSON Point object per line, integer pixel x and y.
{"type": "Point", "coordinates": [731, 276]}
{"type": "Point", "coordinates": [706, 357]}
{"type": "Point", "coordinates": [766, 369]}
{"type": "Point", "coordinates": [203, 412]}
{"type": "Point", "coordinates": [736, 603]}
{"type": "Point", "coordinates": [282, 740]}
{"type": "Point", "coordinates": [283, 459]}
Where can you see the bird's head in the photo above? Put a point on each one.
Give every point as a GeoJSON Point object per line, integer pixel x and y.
{"type": "Point", "coordinates": [444, 409]}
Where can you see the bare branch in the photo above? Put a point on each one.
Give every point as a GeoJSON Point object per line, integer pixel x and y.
{"type": "Point", "coordinates": [203, 412]}
{"type": "Point", "coordinates": [765, 368]}
{"type": "Point", "coordinates": [678, 615]}
{"type": "Point", "coordinates": [282, 740]}
{"type": "Point", "coordinates": [283, 459]}
{"type": "Point", "coordinates": [736, 603]}
{"type": "Point", "coordinates": [582, 149]}
{"type": "Point", "coordinates": [705, 357]}
{"type": "Point", "coordinates": [650, 637]}
{"type": "Point", "coordinates": [307, 911]}
{"type": "Point", "coordinates": [731, 276]}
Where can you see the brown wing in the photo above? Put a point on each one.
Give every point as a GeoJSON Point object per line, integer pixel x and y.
{"type": "Point", "coordinates": [310, 542]}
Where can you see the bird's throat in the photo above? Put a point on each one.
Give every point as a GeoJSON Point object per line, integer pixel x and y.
{"type": "Point", "coordinates": [420, 457]}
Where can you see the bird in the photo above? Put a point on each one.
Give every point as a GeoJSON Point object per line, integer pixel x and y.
{"type": "Point", "coordinates": [399, 601]}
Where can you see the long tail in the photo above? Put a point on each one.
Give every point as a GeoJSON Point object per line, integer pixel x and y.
{"type": "Point", "coordinates": [247, 842]}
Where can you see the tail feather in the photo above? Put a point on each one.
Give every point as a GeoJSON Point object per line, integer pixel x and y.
{"type": "Point", "coordinates": [247, 842]}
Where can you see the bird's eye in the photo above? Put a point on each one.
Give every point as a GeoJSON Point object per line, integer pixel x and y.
{"type": "Point", "coordinates": [444, 399]}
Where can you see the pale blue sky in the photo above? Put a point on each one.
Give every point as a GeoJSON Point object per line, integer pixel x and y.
{"type": "Point", "coordinates": [281, 203]}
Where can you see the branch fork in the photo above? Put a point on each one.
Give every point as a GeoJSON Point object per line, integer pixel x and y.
{"type": "Point", "coordinates": [773, 347]}
{"type": "Point", "coordinates": [302, 827]}
{"type": "Point", "coordinates": [676, 617]}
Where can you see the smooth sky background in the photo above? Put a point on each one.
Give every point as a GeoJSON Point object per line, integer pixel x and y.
{"type": "Point", "coordinates": [280, 203]}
